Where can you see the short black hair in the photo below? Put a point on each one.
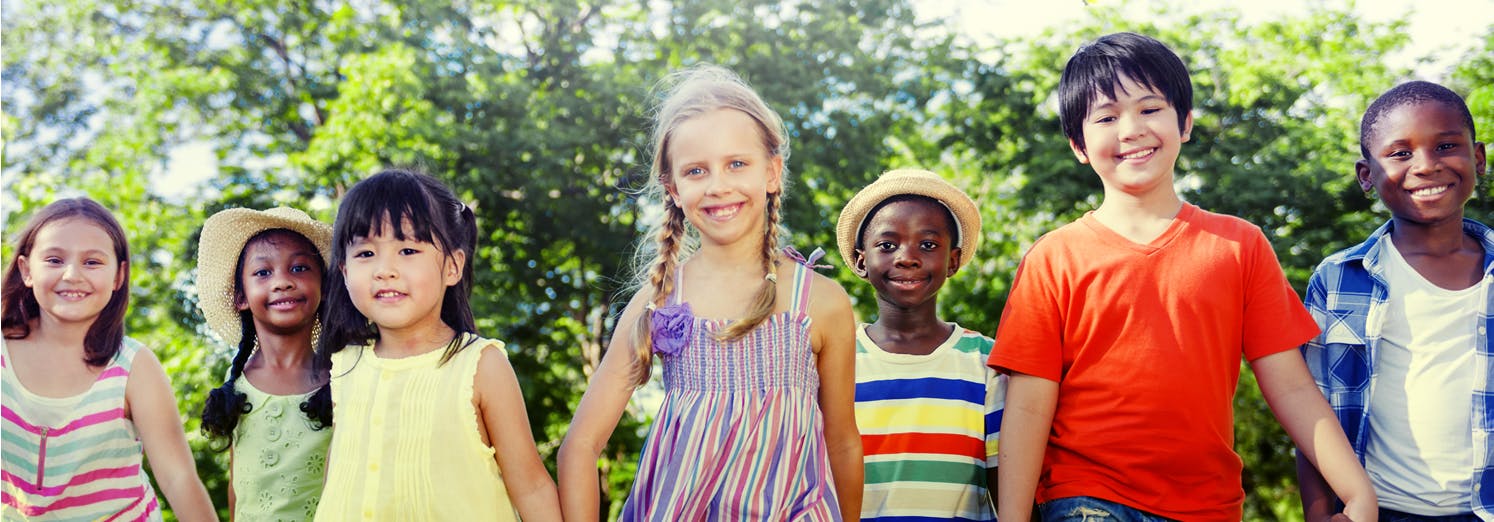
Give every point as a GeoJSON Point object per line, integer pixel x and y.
{"type": "Point", "coordinates": [1096, 68]}
{"type": "Point", "coordinates": [949, 219]}
{"type": "Point", "coordinates": [1410, 93]}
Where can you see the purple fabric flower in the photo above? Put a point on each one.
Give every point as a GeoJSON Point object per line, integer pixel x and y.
{"type": "Point", "coordinates": [672, 328]}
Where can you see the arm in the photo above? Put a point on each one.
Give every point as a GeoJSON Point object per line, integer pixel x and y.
{"type": "Point", "coordinates": [501, 406]}
{"type": "Point", "coordinates": [1317, 499]}
{"type": "Point", "coordinates": [991, 484]}
{"type": "Point", "coordinates": [1030, 403]}
{"type": "Point", "coordinates": [152, 407]}
{"type": "Point", "coordinates": [601, 407]}
{"type": "Point", "coordinates": [1300, 408]}
{"type": "Point", "coordinates": [835, 344]}
{"type": "Point", "coordinates": [233, 499]}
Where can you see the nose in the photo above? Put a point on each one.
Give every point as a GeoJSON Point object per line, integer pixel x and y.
{"type": "Point", "coordinates": [1425, 163]}
{"type": "Point", "coordinates": [1130, 127]}
{"type": "Point", "coordinates": [385, 269]}
{"type": "Point", "coordinates": [282, 282]}
{"type": "Point", "coordinates": [72, 272]}
{"type": "Point", "coordinates": [904, 258]}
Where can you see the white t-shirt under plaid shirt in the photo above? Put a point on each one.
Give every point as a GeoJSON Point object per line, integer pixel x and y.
{"type": "Point", "coordinates": [929, 428]}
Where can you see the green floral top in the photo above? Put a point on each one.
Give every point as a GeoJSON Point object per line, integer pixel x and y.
{"type": "Point", "coordinates": [278, 458]}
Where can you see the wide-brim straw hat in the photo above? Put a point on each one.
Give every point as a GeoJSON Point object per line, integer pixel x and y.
{"type": "Point", "coordinates": [223, 238]}
{"type": "Point", "coordinates": [909, 181]}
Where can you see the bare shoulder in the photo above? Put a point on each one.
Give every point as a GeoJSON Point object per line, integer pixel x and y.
{"type": "Point", "coordinates": [827, 296]}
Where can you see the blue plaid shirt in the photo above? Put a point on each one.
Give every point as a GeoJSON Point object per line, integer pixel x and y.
{"type": "Point", "coordinates": [1346, 296]}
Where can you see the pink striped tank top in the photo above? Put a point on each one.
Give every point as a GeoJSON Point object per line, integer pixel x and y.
{"type": "Point", "coordinates": [84, 467]}
{"type": "Point", "coordinates": [739, 435]}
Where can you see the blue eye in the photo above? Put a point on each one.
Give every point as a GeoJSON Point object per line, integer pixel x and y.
{"type": "Point", "coordinates": [737, 164]}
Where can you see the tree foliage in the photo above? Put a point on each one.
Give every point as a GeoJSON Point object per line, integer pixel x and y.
{"type": "Point", "coordinates": [537, 113]}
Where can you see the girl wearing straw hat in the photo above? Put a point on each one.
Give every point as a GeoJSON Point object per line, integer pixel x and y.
{"type": "Point", "coordinates": [259, 278]}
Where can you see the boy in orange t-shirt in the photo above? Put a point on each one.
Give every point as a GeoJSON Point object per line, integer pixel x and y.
{"type": "Point", "coordinates": [1124, 329]}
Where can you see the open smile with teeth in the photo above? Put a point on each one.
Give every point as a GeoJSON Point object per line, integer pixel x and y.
{"type": "Point", "coordinates": [388, 295]}
{"type": "Point", "coordinates": [722, 211]}
{"type": "Point", "coordinates": [906, 283]}
{"type": "Point", "coordinates": [1429, 191]}
{"type": "Point", "coordinates": [1138, 154]}
{"type": "Point", "coordinates": [72, 295]}
{"type": "Point", "coordinates": [286, 303]}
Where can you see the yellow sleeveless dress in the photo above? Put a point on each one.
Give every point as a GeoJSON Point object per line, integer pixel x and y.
{"type": "Point", "coordinates": [405, 444]}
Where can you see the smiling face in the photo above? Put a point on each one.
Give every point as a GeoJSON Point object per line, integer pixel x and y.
{"type": "Point", "coordinates": [1132, 141]}
{"type": "Point", "coordinates": [72, 270]}
{"type": "Point", "coordinates": [721, 174]}
{"type": "Point", "coordinates": [399, 284]}
{"type": "Point", "coordinates": [907, 252]}
{"type": "Point", "coordinates": [280, 282]}
{"type": "Point", "coordinates": [1423, 163]}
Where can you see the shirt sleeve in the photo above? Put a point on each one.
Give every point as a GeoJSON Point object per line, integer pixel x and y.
{"type": "Point", "coordinates": [1029, 339]}
{"type": "Point", "coordinates": [1275, 319]}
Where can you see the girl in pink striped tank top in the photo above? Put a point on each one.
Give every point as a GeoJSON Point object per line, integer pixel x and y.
{"type": "Point", "coordinates": [80, 401]}
{"type": "Point", "coordinates": [757, 421]}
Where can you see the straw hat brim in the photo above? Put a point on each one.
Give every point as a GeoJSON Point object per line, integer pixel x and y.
{"type": "Point", "coordinates": [223, 238]}
{"type": "Point", "coordinates": [916, 182]}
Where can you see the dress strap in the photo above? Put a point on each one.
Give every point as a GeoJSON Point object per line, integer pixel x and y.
{"type": "Point", "coordinates": [803, 277]}
{"type": "Point", "coordinates": [679, 285]}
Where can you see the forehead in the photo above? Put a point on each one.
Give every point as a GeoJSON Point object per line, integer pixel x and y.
{"type": "Point", "coordinates": [1124, 88]}
{"type": "Point", "coordinates": [278, 240]}
{"type": "Point", "coordinates": [923, 211]}
{"type": "Point", "coordinates": [1420, 117]}
{"type": "Point", "coordinates": [73, 233]}
{"type": "Point", "coordinates": [719, 131]}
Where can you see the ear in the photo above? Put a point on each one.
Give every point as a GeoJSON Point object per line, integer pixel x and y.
{"type": "Point", "coordinates": [454, 266]}
{"type": "Point", "coordinates": [25, 270]}
{"type": "Point", "coordinates": [775, 174]}
{"type": "Point", "coordinates": [1078, 152]}
{"type": "Point", "coordinates": [858, 263]}
{"type": "Point", "coordinates": [120, 275]}
{"type": "Point", "coordinates": [240, 302]}
{"type": "Point", "coordinates": [1188, 127]}
{"type": "Point", "coordinates": [954, 260]}
{"type": "Point", "coordinates": [1478, 159]}
{"type": "Point", "coordinates": [1362, 172]}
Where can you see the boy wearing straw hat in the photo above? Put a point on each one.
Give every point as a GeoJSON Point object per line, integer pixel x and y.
{"type": "Point", "coordinates": [928, 407]}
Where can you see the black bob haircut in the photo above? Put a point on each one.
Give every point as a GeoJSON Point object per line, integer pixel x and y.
{"type": "Point", "coordinates": [1410, 93]}
{"type": "Point", "coordinates": [1096, 68]}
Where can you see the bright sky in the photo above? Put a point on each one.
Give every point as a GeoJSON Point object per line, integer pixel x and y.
{"type": "Point", "coordinates": [1445, 30]}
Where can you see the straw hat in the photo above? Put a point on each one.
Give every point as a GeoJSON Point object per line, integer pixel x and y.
{"type": "Point", "coordinates": [223, 238]}
{"type": "Point", "coordinates": [916, 182]}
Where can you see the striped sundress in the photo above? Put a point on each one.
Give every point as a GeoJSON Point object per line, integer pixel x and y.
{"type": "Point", "coordinates": [85, 467]}
{"type": "Point", "coordinates": [739, 435]}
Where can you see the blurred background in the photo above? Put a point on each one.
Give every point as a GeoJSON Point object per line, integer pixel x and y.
{"type": "Point", "coordinates": [536, 111]}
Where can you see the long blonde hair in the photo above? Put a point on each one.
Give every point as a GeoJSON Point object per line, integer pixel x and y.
{"type": "Point", "coordinates": [670, 238]}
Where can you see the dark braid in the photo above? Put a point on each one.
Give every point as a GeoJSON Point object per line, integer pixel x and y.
{"type": "Point", "coordinates": [224, 406]}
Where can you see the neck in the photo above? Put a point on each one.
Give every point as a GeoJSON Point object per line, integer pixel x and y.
{"type": "Point", "coordinates": [291, 350]}
{"type": "Point", "coordinates": [406, 342]}
{"type": "Point", "coordinates": [1160, 204]}
{"type": "Point", "coordinates": [1440, 239]}
{"type": "Point", "coordinates": [741, 258]}
{"type": "Point", "coordinates": [917, 321]}
{"type": "Point", "coordinates": [47, 330]}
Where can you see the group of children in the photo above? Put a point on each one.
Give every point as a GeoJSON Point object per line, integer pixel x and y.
{"type": "Point", "coordinates": [361, 389]}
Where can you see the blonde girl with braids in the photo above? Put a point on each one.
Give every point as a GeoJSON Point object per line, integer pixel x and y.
{"type": "Point", "coordinates": [757, 421]}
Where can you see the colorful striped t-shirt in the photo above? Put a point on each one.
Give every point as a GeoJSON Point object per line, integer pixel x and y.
{"type": "Point", "coordinates": [929, 428]}
{"type": "Point", "coordinates": [74, 458]}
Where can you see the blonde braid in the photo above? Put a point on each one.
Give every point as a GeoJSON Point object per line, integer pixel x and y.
{"type": "Point", "coordinates": [767, 294]}
{"type": "Point", "coordinates": [661, 280]}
